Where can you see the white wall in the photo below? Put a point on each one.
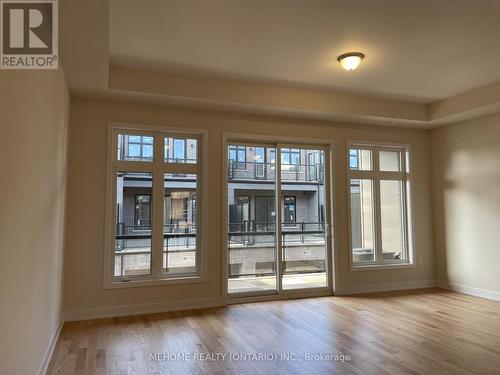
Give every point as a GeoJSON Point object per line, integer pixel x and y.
{"type": "Point", "coordinates": [466, 189]}
{"type": "Point", "coordinates": [33, 137]}
{"type": "Point", "coordinates": [84, 293]}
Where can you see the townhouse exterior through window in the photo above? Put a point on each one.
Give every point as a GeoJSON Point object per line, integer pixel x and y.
{"type": "Point", "coordinates": [154, 180]}
{"type": "Point", "coordinates": [264, 244]}
{"type": "Point", "coordinates": [380, 205]}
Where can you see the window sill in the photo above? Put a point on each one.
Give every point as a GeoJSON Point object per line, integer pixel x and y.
{"type": "Point", "coordinates": [380, 267]}
{"type": "Point", "coordinates": [137, 283]}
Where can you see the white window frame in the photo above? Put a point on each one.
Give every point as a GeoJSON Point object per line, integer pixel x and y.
{"type": "Point", "coordinates": [158, 167]}
{"type": "Point", "coordinates": [405, 176]}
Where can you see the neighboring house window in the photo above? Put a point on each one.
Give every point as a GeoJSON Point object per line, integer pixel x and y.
{"type": "Point", "coordinates": [260, 154]}
{"type": "Point", "coordinates": [155, 233]}
{"type": "Point", "coordinates": [260, 166]}
{"type": "Point", "coordinates": [238, 156]}
{"type": "Point", "coordinates": [290, 208]}
{"type": "Point", "coordinates": [290, 156]}
{"type": "Point", "coordinates": [380, 209]}
{"type": "Point", "coordinates": [142, 215]}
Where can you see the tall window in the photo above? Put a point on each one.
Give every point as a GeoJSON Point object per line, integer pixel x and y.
{"type": "Point", "coordinates": [379, 178]}
{"type": "Point", "coordinates": [153, 210]}
{"type": "Point", "coordinates": [260, 160]}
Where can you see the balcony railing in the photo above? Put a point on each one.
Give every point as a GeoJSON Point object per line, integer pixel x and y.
{"type": "Point", "coordinates": [250, 230]}
{"type": "Point", "coordinates": [252, 244]}
{"type": "Point", "coordinates": [133, 247]}
{"type": "Point", "coordinates": [246, 171]}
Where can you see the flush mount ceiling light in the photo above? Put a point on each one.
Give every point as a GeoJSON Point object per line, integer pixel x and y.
{"type": "Point", "coordinates": [350, 60]}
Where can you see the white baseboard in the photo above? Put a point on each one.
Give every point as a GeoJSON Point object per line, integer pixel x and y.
{"type": "Point", "coordinates": [42, 370]}
{"type": "Point", "coordinates": [147, 308]}
{"type": "Point", "coordinates": [473, 291]}
{"type": "Point", "coordinates": [386, 287]}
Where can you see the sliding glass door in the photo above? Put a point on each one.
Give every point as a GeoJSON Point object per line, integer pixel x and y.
{"type": "Point", "coordinates": [277, 219]}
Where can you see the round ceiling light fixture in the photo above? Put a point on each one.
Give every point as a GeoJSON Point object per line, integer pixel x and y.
{"type": "Point", "coordinates": [350, 60]}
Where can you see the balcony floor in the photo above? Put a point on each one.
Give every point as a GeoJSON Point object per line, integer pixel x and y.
{"type": "Point", "coordinates": [266, 283]}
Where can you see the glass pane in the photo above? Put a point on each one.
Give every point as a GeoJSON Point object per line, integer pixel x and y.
{"type": "Point", "coordinates": [260, 154]}
{"type": "Point", "coordinates": [133, 224]}
{"type": "Point", "coordinates": [181, 150]}
{"type": "Point", "coordinates": [251, 216]}
{"type": "Point", "coordinates": [362, 228]}
{"type": "Point", "coordinates": [391, 210]}
{"type": "Point", "coordinates": [179, 223]}
{"type": "Point", "coordinates": [135, 148]}
{"type": "Point", "coordinates": [360, 159]}
{"type": "Point", "coordinates": [390, 161]}
{"type": "Point", "coordinates": [147, 151]}
{"type": "Point", "coordinates": [285, 156]}
{"type": "Point", "coordinates": [303, 221]}
{"type": "Point", "coordinates": [242, 155]}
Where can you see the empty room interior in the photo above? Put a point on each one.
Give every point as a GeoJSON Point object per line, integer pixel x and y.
{"type": "Point", "coordinates": [250, 187]}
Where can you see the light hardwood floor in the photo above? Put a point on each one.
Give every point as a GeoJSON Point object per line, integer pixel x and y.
{"type": "Point", "coordinates": [429, 331]}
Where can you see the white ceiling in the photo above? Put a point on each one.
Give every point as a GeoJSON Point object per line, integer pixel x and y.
{"type": "Point", "coordinates": [418, 51]}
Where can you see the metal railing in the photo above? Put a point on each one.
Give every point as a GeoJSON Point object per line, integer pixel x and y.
{"type": "Point", "coordinates": [249, 230]}
{"type": "Point", "coordinates": [145, 226]}
{"type": "Point", "coordinates": [249, 244]}
{"type": "Point", "coordinates": [137, 248]}
{"type": "Point", "coordinates": [267, 171]}
{"type": "Point", "coordinates": [303, 247]}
